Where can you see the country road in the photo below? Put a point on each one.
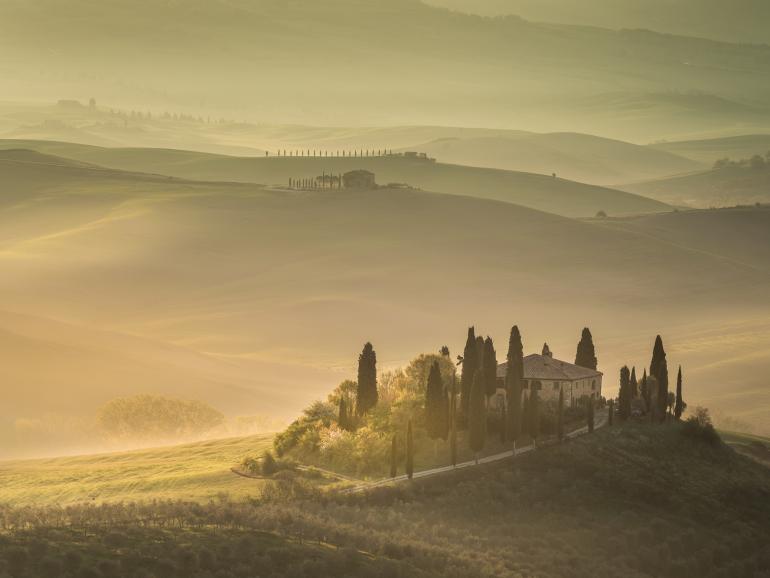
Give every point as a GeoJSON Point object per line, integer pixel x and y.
{"type": "Point", "coordinates": [601, 420]}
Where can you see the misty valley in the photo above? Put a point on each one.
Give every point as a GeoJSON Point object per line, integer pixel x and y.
{"type": "Point", "coordinates": [384, 288]}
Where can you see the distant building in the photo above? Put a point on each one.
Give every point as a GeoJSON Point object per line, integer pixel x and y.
{"type": "Point", "coordinates": [550, 375]}
{"type": "Point", "coordinates": [359, 180]}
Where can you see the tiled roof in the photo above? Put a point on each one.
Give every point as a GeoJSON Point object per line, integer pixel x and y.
{"type": "Point", "coordinates": [545, 367]}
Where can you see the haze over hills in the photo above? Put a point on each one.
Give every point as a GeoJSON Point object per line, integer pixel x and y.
{"type": "Point", "coordinates": [574, 156]}
{"type": "Point", "coordinates": [709, 151]}
{"type": "Point", "coordinates": [719, 187]}
{"type": "Point", "coordinates": [541, 192]}
{"type": "Point", "coordinates": [238, 283]}
{"type": "Point", "coordinates": [736, 21]}
{"type": "Point", "coordinates": [379, 62]}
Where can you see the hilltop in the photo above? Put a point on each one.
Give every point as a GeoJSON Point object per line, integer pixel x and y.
{"type": "Point", "coordinates": [640, 500]}
{"type": "Point", "coordinates": [260, 58]}
{"type": "Point", "coordinates": [708, 151]}
{"type": "Point", "coordinates": [718, 187]}
{"type": "Point", "coordinates": [268, 291]}
{"type": "Point", "coordinates": [545, 193]}
{"type": "Point", "coordinates": [742, 21]}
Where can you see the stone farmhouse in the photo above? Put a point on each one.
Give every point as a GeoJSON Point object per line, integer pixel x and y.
{"type": "Point", "coordinates": [549, 375]}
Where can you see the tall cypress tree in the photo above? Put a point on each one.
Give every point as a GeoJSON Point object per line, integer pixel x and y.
{"type": "Point", "coordinates": [367, 380]}
{"type": "Point", "coordinates": [534, 414]}
{"type": "Point", "coordinates": [514, 375]}
{"type": "Point", "coordinates": [586, 353]}
{"type": "Point", "coordinates": [634, 384]}
{"type": "Point", "coordinates": [342, 419]}
{"type": "Point", "coordinates": [477, 417]}
{"type": "Point", "coordinates": [393, 462]}
{"type": "Point", "coordinates": [644, 391]}
{"type": "Point", "coordinates": [679, 406]}
{"type": "Point", "coordinates": [560, 415]}
{"type": "Point", "coordinates": [453, 425]}
{"type": "Point", "coordinates": [625, 393]}
{"type": "Point", "coordinates": [409, 451]}
{"type": "Point", "coordinates": [470, 363]}
{"type": "Point", "coordinates": [490, 367]}
{"type": "Point", "coordinates": [433, 402]}
{"type": "Point", "coordinates": [659, 370]}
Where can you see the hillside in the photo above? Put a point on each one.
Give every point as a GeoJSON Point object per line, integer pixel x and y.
{"type": "Point", "coordinates": [636, 500]}
{"type": "Point", "coordinates": [708, 151]}
{"type": "Point", "coordinates": [554, 195]}
{"type": "Point", "coordinates": [721, 187]}
{"type": "Point", "coordinates": [576, 157]}
{"type": "Point", "coordinates": [427, 67]}
{"type": "Point", "coordinates": [740, 21]}
{"type": "Point", "coordinates": [230, 290]}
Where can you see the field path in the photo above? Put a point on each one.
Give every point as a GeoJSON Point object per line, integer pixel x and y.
{"type": "Point", "coordinates": [363, 486]}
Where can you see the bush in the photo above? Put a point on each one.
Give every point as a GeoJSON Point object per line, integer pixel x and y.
{"type": "Point", "coordinates": [699, 427]}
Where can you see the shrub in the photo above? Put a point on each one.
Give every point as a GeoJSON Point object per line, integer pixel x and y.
{"type": "Point", "coordinates": [269, 465]}
{"type": "Point", "coordinates": [699, 427]}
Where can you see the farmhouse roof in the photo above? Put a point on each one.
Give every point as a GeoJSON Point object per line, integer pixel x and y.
{"type": "Point", "coordinates": [546, 367]}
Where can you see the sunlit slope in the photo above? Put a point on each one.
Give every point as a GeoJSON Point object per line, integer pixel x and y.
{"type": "Point", "coordinates": [710, 150]}
{"type": "Point", "coordinates": [738, 21]}
{"type": "Point", "coordinates": [430, 66]}
{"type": "Point", "coordinates": [714, 188]}
{"type": "Point", "coordinates": [573, 156]}
{"type": "Point", "coordinates": [286, 286]}
{"type": "Point", "coordinates": [545, 193]}
{"type": "Point", "coordinates": [195, 472]}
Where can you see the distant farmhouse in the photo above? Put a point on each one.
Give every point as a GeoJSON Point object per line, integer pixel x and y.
{"type": "Point", "coordinates": [359, 180]}
{"type": "Point", "coordinates": [550, 375]}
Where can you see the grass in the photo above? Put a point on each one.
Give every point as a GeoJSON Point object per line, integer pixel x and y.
{"type": "Point", "coordinates": [197, 472]}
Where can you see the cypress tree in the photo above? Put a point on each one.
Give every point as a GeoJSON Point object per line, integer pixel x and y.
{"type": "Point", "coordinates": [453, 425]}
{"type": "Point", "coordinates": [679, 407]}
{"type": "Point", "coordinates": [470, 363]}
{"type": "Point", "coordinates": [652, 386]}
{"type": "Point", "coordinates": [409, 451]}
{"type": "Point", "coordinates": [477, 417]}
{"type": "Point", "coordinates": [645, 391]}
{"type": "Point", "coordinates": [393, 468]}
{"type": "Point", "coordinates": [634, 384]}
{"type": "Point", "coordinates": [534, 414]}
{"type": "Point", "coordinates": [611, 412]}
{"type": "Point", "coordinates": [624, 397]}
{"type": "Point", "coordinates": [560, 415]}
{"type": "Point", "coordinates": [586, 353]}
{"type": "Point", "coordinates": [490, 367]}
{"type": "Point", "coordinates": [503, 426]}
{"type": "Point", "coordinates": [659, 370]}
{"type": "Point", "coordinates": [367, 380]}
{"type": "Point", "coordinates": [342, 419]}
{"type": "Point", "coordinates": [435, 404]}
{"type": "Point", "coordinates": [590, 414]}
{"type": "Point", "coordinates": [514, 375]}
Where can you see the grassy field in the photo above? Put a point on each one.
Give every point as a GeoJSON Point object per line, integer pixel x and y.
{"type": "Point", "coordinates": [198, 472]}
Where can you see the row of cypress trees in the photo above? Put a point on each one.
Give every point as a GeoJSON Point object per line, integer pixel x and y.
{"type": "Point", "coordinates": [653, 390]}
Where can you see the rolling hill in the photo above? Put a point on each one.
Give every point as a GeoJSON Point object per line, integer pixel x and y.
{"type": "Point", "coordinates": [231, 292]}
{"type": "Point", "coordinates": [576, 157]}
{"type": "Point", "coordinates": [540, 192]}
{"type": "Point", "coordinates": [740, 21]}
{"type": "Point", "coordinates": [427, 66]}
{"type": "Point", "coordinates": [723, 187]}
{"type": "Point", "coordinates": [708, 151]}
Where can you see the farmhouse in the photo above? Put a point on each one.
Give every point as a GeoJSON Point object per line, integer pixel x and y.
{"type": "Point", "coordinates": [359, 180]}
{"type": "Point", "coordinates": [550, 375]}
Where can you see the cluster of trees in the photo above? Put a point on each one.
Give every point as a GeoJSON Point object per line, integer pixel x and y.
{"type": "Point", "coordinates": [321, 182]}
{"type": "Point", "coordinates": [339, 153]}
{"type": "Point", "coordinates": [754, 162]}
{"type": "Point", "coordinates": [651, 396]}
{"type": "Point", "coordinates": [157, 418]}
